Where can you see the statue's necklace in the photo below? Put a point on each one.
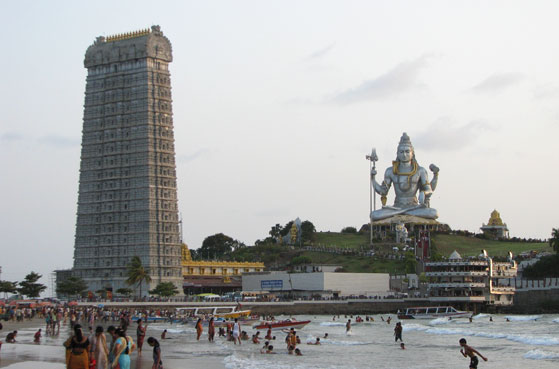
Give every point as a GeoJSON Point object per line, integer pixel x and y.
{"type": "Point", "coordinates": [410, 174]}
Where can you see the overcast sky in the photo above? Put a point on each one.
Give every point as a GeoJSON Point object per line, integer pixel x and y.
{"type": "Point", "coordinates": [276, 104]}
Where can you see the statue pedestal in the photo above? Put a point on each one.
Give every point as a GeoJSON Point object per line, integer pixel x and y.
{"type": "Point", "coordinates": [386, 227]}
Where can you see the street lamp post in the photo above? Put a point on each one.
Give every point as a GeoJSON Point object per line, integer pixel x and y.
{"type": "Point", "coordinates": [373, 158]}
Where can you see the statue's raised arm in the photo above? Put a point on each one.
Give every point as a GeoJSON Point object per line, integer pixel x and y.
{"type": "Point", "coordinates": [408, 179]}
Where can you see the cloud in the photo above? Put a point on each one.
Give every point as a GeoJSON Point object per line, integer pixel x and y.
{"type": "Point", "coordinates": [400, 79]}
{"type": "Point", "coordinates": [445, 135]}
{"type": "Point", "coordinates": [498, 82]}
{"type": "Point", "coordinates": [318, 54]}
{"type": "Point", "coordinates": [546, 92]}
{"type": "Point", "coordinates": [59, 141]}
{"type": "Point", "coordinates": [186, 158]}
{"type": "Point", "coordinates": [11, 137]}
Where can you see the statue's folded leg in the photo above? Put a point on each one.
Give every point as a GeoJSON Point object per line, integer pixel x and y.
{"type": "Point", "coordinates": [382, 214]}
{"type": "Point", "coordinates": [428, 213]}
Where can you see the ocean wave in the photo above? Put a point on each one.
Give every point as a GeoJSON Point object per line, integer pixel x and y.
{"type": "Point", "coordinates": [522, 318]}
{"type": "Point", "coordinates": [555, 320]}
{"type": "Point", "coordinates": [440, 321]}
{"type": "Point", "coordinates": [530, 340]}
{"type": "Point", "coordinates": [259, 361]}
{"type": "Point", "coordinates": [333, 324]}
{"type": "Point", "coordinates": [478, 316]}
{"type": "Point", "coordinates": [345, 343]}
{"type": "Point", "coordinates": [540, 355]}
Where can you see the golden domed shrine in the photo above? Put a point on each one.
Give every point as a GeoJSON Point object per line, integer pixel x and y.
{"type": "Point", "coordinates": [495, 228]}
{"type": "Point", "coordinates": [213, 276]}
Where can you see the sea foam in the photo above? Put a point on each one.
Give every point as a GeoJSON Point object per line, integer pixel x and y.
{"type": "Point", "coordinates": [333, 324]}
{"type": "Point", "coordinates": [541, 355]}
{"type": "Point", "coordinates": [527, 339]}
{"type": "Point", "coordinates": [522, 318]}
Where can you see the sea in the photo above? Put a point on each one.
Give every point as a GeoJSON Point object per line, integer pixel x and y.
{"type": "Point", "coordinates": [513, 341]}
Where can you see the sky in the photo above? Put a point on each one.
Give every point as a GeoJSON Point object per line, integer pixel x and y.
{"type": "Point", "coordinates": [276, 104]}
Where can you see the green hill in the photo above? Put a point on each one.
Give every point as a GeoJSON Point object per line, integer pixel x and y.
{"type": "Point", "coordinates": [444, 243]}
{"type": "Point", "coordinates": [471, 246]}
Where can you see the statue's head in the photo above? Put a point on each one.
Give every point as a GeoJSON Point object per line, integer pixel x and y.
{"type": "Point", "coordinates": [405, 151]}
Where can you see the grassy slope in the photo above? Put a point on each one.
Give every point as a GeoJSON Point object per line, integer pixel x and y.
{"type": "Point", "coordinates": [357, 264]}
{"type": "Point", "coordinates": [469, 246]}
{"type": "Point", "coordinates": [335, 239]}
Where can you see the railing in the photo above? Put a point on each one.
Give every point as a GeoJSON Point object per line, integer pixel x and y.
{"type": "Point", "coordinates": [462, 273]}
{"type": "Point", "coordinates": [456, 284]}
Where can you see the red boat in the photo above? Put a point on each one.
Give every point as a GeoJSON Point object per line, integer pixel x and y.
{"type": "Point", "coordinates": [281, 324]}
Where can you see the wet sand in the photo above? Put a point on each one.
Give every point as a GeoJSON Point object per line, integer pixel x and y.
{"type": "Point", "coordinates": [50, 354]}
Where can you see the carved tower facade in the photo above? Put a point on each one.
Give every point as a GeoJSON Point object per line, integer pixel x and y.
{"type": "Point", "coordinates": [127, 202]}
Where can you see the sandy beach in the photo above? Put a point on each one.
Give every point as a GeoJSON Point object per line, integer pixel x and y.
{"type": "Point", "coordinates": [49, 354]}
{"type": "Point", "coordinates": [510, 342]}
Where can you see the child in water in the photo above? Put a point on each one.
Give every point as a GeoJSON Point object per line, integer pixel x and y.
{"type": "Point", "coordinates": [468, 351]}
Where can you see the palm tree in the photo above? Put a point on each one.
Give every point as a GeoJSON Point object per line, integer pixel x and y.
{"type": "Point", "coordinates": [137, 273]}
{"type": "Point", "coordinates": [554, 240]}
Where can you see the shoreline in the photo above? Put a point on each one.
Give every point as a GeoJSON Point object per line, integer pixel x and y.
{"type": "Point", "coordinates": [49, 353]}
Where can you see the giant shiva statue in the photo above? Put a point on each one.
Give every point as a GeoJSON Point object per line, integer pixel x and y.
{"type": "Point", "coordinates": [408, 178]}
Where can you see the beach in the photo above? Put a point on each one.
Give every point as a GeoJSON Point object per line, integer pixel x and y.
{"type": "Point", "coordinates": [524, 341]}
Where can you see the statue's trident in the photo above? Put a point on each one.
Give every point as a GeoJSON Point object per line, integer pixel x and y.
{"type": "Point", "coordinates": [373, 158]}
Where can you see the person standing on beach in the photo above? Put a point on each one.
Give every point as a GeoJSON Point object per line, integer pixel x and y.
{"type": "Point", "coordinates": [269, 333]}
{"type": "Point", "coordinates": [124, 345]}
{"type": "Point", "coordinates": [398, 332]}
{"type": "Point", "coordinates": [77, 348]}
{"type": "Point", "coordinates": [237, 332]}
{"type": "Point", "coordinates": [157, 362]}
{"type": "Point", "coordinates": [211, 330]}
{"type": "Point", "coordinates": [199, 329]}
{"type": "Point", "coordinates": [101, 351]}
{"type": "Point", "coordinates": [469, 351]}
{"type": "Point", "coordinates": [112, 333]}
{"type": "Point", "coordinates": [140, 335]}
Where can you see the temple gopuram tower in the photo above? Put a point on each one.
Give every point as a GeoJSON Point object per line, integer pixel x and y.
{"type": "Point", "coordinates": [127, 202]}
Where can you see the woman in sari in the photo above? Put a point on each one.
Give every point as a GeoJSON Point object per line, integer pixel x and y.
{"type": "Point", "coordinates": [199, 329]}
{"type": "Point", "coordinates": [77, 348]}
{"type": "Point", "coordinates": [124, 345]}
{"type": "Point", "coordinates": [101, 350]}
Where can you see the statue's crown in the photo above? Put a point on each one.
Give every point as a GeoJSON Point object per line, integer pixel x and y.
{"type": "Point", "coordinates": [405, 140]}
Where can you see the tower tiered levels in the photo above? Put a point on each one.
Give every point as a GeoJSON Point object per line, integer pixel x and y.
{"type": "Point", "coordinates": [127, 203]}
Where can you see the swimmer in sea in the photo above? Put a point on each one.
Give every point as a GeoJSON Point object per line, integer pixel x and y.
{"type": "Point", "coordinates": [468, 351]}
{"type": "Point", "coordinates": [490, 318]}
{"type": "Point", "coordinates": [37, 336]}
{"type": "Point", "coordinates": [164, 334]}
{"type": "Point", "coordinates": [508, 320]}
{"type": "Point", "coordinates": [348, 326]}
{"type": "Point", "coordinates": [398, 332]}
{"type": "Point", "coordinates": [402, 346]}
{"type": "Point", "coordinates": [270, 350]}
{"type": "Point", "coordinates": [317, 342]}
{"type": "Point", "coordinates": [298, 352]}
{"type": "Point", "coordinates": [325, 335]}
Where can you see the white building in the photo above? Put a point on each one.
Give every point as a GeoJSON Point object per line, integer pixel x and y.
{"type": "Point", "coordinates": [471, 280]}
{"type": "Point", "coordinates": [324, 284]}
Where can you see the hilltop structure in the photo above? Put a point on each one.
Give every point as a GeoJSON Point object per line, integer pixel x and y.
{"type": "Point", "coordinates": [127, 202]}
{"type": "Point", "coordinates": [495, 228]}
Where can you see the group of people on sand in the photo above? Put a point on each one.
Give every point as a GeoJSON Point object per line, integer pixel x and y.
{"type": "Point", "coordinates": [92, 351]}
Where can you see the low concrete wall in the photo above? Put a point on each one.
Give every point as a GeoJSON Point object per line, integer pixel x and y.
{"type": "Point", "coordinates": [536, 301]}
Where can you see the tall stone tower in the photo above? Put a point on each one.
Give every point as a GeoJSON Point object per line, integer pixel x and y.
{"type": "Point", "coordinates": [127, 203]}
